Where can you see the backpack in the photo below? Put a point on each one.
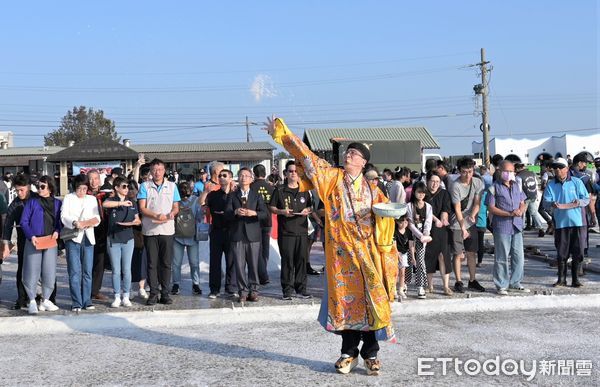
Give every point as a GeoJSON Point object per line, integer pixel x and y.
{"type": "Point", "coordinates": [529, 185]}
{"type": "Point", "coordinates": [185, 224]}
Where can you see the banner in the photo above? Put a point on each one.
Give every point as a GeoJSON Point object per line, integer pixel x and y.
{"type": "Point", "coordinates": [105, 167]}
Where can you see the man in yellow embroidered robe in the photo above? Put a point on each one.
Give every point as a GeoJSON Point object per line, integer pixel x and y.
{"type": "Point", "coordinates": [360, 272]}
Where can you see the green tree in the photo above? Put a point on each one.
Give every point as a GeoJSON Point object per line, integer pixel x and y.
{"type": "Point", "coordinates": [282, 155]}
{"type": "Point", "coordinates": [80, 124]}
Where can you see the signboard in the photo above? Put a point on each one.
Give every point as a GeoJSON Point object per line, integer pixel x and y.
{"type": "Point", "coordinates": [84, 167]}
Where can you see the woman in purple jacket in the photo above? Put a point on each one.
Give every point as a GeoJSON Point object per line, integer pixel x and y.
{"type": "Point", "coordinates": [41, 217]}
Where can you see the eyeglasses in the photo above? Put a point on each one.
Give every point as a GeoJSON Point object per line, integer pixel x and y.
{"type": "Point", "coordinates": [42, 186]}
{"type": "Point", "coordinates": [245, 176]}
{"type": "Point", "coordinates": [224, 175]}
{"type": "Point", "coordinates": [353, 152]}
{"type": "Point", "coordinates": [124, 186]}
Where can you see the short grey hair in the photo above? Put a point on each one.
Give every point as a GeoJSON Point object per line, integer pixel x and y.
{"type": "Point", "coordinates": [214, 165]}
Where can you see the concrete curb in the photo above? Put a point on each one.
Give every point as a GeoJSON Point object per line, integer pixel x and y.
{"type": "Point", "coordinates": [97, 323]}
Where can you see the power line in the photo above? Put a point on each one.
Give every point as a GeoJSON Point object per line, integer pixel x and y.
{"type": "Point", "coordinates": [295, 68]}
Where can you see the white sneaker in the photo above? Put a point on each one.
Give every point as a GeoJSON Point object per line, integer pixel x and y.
{"type": "Point", "coordinates": [126, 302]}
{"type": "Point", "coordinates": [143, 293]}
{"type": "Point", "coordinates": [421, 293]}
{"type": "Point", "coordinates": [48, 305]}
{"type": "Point", "coordinates": [117, 302]}
{"type": "Point", "coordinates": [32, 307]}
{"type": "Point", "coordinates": [402, 294]}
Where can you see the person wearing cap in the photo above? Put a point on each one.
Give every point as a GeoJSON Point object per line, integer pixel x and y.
{"type": "Point", "coordinates": [199, 185]}
{"type": "Point", "coordinates": [565, 196]}
{"type": "Point", "coordinates": [361, 267]}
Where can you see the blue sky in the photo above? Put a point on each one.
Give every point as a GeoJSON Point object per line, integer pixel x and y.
{"type": "Point", "coordinates": [163, 70]}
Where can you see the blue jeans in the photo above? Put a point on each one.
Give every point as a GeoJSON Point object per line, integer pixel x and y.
{"type": "Point", "coordinates": [536, 218]}
{"type": "Point", "coordinates": [193, 259]}
{"type": "Point", "coordinates": [509, 260]}
{"type": "Point", "coordinates": [80, 260]}
{"type": "Point", "coordinates": [36, 264]}
{"type": "Point", "coordinates": [120, 260]}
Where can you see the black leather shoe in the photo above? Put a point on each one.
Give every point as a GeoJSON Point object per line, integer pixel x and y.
{"type": "Point", "coordinates": [474, 285]}
{"type": "Point", "coordinates": [166, 300]}
{"type": "Point", "coordinates": [312, 271]}
{"type": "Point", "coordinates": [152, 300]}
{"type": "Point", "coordinates": [459, 287]}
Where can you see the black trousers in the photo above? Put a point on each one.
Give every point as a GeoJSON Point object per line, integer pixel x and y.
{"type": "Point", "coordinates": [481, 245]}
{"type": "Point", "coordinates": [351, 340]}
{"type": "Point", "coordinates": [263, 255]}
{"type": "Point", "coordinates": [138, 265]}
{"type": "Point", "coordinates": [159, 252]}
{"type": "Point", "coordinates": [542, 211]}
{"type": "Point", "coordinates": [219, 244]}
{"type": "Point", "coordinates": [294, 255]}
{"type": "Point", "coordinates": [569, 240]}
{"type": "Point", "coordinates": [21, 294]}
{"type": "Point", "coordinates": [98, 268]}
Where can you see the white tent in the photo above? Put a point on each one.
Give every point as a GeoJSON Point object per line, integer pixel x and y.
{"type": "Point", "coordinates": [529, 150]}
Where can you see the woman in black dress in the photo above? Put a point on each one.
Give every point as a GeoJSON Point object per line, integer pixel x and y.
{"type": "Point", "coordinates": [437, 256]}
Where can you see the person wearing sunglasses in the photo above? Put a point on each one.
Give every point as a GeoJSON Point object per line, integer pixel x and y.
{"type": "Point", "coordinates": [565, 196]}
{"type": "Point", "coordinates": [219, 245]}
{"type": "Point", "coordinates": [80, 211]}
{"type": "Point", "coordinates": [41, 217]}
{"type": "Point", "coordinates": [122, 216]}
{"type": "Point", "coordinates": [292, 208]}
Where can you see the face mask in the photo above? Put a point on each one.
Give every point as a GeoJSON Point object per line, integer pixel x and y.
{"type": "Point", "coordinates": [508, 176]}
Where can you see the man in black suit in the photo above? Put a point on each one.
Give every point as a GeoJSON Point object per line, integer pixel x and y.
{"type": "Point", "coordinates": [245, 210]}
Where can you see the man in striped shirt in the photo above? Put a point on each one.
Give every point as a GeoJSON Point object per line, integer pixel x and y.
{"type": "Point", "coordinates": [506, 202]}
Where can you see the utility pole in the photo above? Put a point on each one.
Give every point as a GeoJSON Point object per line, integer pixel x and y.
{"type": "Point", "coordinates": [247, 130]}
{"type": "Point", "coordinates": [483, 90]}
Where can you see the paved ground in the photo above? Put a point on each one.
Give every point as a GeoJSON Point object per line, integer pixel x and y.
{"type": "Point", "coordinates": [197, 341]}
{"type": "Point", "coordinates": [286, 346]}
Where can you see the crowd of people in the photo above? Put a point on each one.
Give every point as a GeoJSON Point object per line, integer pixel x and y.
{"type": "Point", "coordinates": [141, 226]}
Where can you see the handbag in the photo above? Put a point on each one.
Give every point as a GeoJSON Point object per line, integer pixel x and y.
{"type": "Point", "coordinates": [45, 242]}
{"type": "Point", "coordinates": [66, 234]}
